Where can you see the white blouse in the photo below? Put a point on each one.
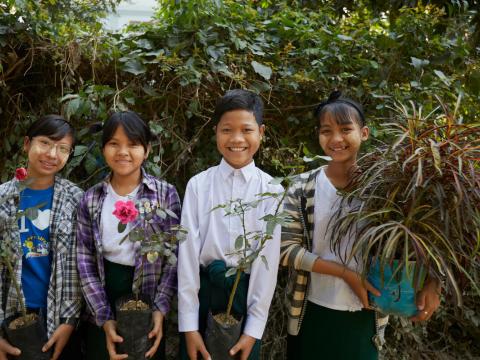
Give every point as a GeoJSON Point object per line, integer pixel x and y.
{"type": "Point", "coordinates": [326, 290]}
{"type": "Point", "coordinates": [113, 251]}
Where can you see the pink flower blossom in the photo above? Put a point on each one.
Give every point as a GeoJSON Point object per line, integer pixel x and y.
{"type": "Point", "coordinates": [21, 174]}
{"type": "Point", "coordinates": [125, 211]}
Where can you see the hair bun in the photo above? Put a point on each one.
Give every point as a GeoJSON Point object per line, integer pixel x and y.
{"type": "Point", "coordinates": [334, 95]}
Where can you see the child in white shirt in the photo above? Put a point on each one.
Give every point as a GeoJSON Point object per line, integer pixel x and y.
{"type": "Point", "coordinates": [211, 235]}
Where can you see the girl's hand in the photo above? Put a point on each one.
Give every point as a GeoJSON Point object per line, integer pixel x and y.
{"type": "Point", "coordinates": [59, 339]}
{"type": "Point", "coordinates": [243, 346]}
{"type": "Point", "coordinates": [157, 333]}
{"type": "Point", "coordinates": [428, 300]}
{"type": "Point", "coordinates": [196, 345]}
{"type": "Point", "coordinates": [110, 328]}
{"type": "Point", "coordinates": [7, 349]}
{"type": "Point", "coordinates": [360, 286]}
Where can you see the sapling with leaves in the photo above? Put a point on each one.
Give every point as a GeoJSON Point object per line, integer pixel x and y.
{"type": "Point", "coordinates": [152, 243]}
{"type": "Point", "coordinates": [250, 244]}
{"type": "Point", "coordinates": [10, 249]}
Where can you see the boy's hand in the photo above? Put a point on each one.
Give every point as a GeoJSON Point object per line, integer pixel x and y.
{"type": "Point", "coordinates": [110, 328]}
{"type": "Point", "coordinates": [360, 286]}
{"type": "Point", "coordinates": [157, 333]}
{"type": "Point", "coordinates": [59, 339]}
{"type": "Point", "coordinates": [428, 300]}
{"type": "Point", "coordinates": [7, 349]}
{"type": "Point", "coordinates": [196, 345]}
{"type": "Point", "coordinates": [243, 346]}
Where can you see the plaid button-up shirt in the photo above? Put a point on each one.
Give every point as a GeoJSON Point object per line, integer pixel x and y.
{"type": "Point", "coordinates": [159, 279]}
{"type": "Point", "coordinates": [64, 299]}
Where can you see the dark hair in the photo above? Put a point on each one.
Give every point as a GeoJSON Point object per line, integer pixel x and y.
{"type": "Point", "coordinates": [239, 99]}
{"type": "Point", "coordinates": [133, 125]}
{"type": "Point", "coordinates": [55, 127]}
{"type": "Point", "coordinates": [341, 109]}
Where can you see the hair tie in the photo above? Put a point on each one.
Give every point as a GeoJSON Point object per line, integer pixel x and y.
{"type": "Point", "coordinates": [336, 96]}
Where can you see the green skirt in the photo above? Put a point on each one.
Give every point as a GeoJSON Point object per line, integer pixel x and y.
{"type": "Point", "coordinates": [334, 335]}
{"type": "Point", "coordinates": [213, 296]}
{"type": "Point", "coordinates": [118, 283]}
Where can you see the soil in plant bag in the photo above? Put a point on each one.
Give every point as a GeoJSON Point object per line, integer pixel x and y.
{"type": "Point", "coordinates": [221, 335]}
{"type": "Point", "coordinates": [29, 334]}
{"type": "Point", "coordinates": [134, 322]}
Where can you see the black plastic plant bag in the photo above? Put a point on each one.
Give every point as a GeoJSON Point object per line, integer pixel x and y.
{"type": "Point", "coordinates": [133, 326]}
{"type": "Point", "coordinates": [29, 339]}
{"type": "Point", "coordinates": [219, 338]}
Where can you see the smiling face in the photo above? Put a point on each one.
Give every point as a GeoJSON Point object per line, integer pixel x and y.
{"type": "Point", "coordinates": [341, 141]}
{"type": "Point", "coordinates": [238, 137]}
{"type": "Point", "coordinates": [46, 157]}
{"type": "Point", "coordinates": [124, 156]}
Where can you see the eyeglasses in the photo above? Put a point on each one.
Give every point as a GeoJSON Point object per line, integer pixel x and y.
{"type": "Point", "coordinates": [47, 145]}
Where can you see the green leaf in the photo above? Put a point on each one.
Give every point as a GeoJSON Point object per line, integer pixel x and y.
{"type": "Point", "coordinates": [152, 257]}
{"type": "Point", "coordinates": [276, 181]}
{"type": "Point", "coordinates": [80, 150]}
{"type": "Point", "coordinates": [264, 259]}
{"type": "Point", "coordinates": [69, 97]}
{"type": "Point", "coordinates": [418, 63]}
{"type": "Point", "coordinates": [161, 213]}
{"type": "Point", "coordinates": [171, 213]}
{"type": "Point", "coordinates": [443, 77]}
{"type": "Point", "coordinates": [134, 67]}
{"type": "Point", "coordinates": [172, 259]}
{"type": "Point", "coordinates": [437, 160]}
{"type": "Point", "coordinates": [345, 37]}
{"type": "Point", "coordinates": [31, 213]}
{"type": "Point", "coordinates": [121, 227]}
{"type": "Point", "coordinates": [239, 242]}
{"type": "Point", "coordinates": [263, 70]}
{"type": "Point", "coordinates": [230, 272]}
{"type": "Point", "coordinates": [316, 157]}
{"type": "Point", "coordinates": [270, 227]}
{"type": "Point", "coordinates": [72, 107]}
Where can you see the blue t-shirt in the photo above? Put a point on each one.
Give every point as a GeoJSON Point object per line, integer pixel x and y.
{"type": "Point", "coordinates": [35, 238]}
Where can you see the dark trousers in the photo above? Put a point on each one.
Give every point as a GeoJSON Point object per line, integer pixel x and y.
{"type": "Point", "coordinates": [213, 296]}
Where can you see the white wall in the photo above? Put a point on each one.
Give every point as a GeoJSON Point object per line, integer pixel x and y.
{"type": "Point", "coordinates": [130, 10]}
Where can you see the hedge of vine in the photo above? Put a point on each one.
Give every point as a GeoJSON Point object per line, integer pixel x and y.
{"type": "Point", "coordinates": [55, 57]}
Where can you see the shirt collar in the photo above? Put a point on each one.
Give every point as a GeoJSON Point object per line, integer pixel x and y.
{"type": "Point", "coordinates": [147, 180]}
{"type": "Point", "coordinates": [247, 171]}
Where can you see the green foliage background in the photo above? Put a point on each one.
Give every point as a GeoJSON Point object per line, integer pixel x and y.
{"type": "Point", "coordinates": [55, 57]}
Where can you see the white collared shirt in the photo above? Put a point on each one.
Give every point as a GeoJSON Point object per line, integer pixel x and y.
{"type": "Point", "coordinates": [326, 290]}
{"type": "Point", "coordinates": [211, 235]}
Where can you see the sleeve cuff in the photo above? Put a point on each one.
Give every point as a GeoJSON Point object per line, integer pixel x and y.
{"type": "Point", "coordinates": [188, 322]}
{"type": "Point", "coordinates": [69, 321]}
{"type": "Point", "coordinates": [163, 307]}
{"type": "Point", "coordinates": [102, 316]}
{"type": "Point", "coordinates": [308, 260]}
{"type": "Point", "coordinates": [254, 327]}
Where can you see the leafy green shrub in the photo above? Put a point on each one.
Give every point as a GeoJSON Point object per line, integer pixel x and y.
{"type": "Point", "coordinates": [55, 58]}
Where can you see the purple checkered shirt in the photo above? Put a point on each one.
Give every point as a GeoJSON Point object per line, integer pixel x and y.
{"type": "Point", "coordinates": [159, 280]}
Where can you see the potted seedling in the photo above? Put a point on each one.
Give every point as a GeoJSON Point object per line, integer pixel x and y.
{"type": "Point", "coordinates": [23, 330]}
{"type": "Point", "coordinates": [224, 329]}
{"type": "Point", "coordinates": [134, 312]}
{"type": "Point", "coordinates": [414, 205]}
